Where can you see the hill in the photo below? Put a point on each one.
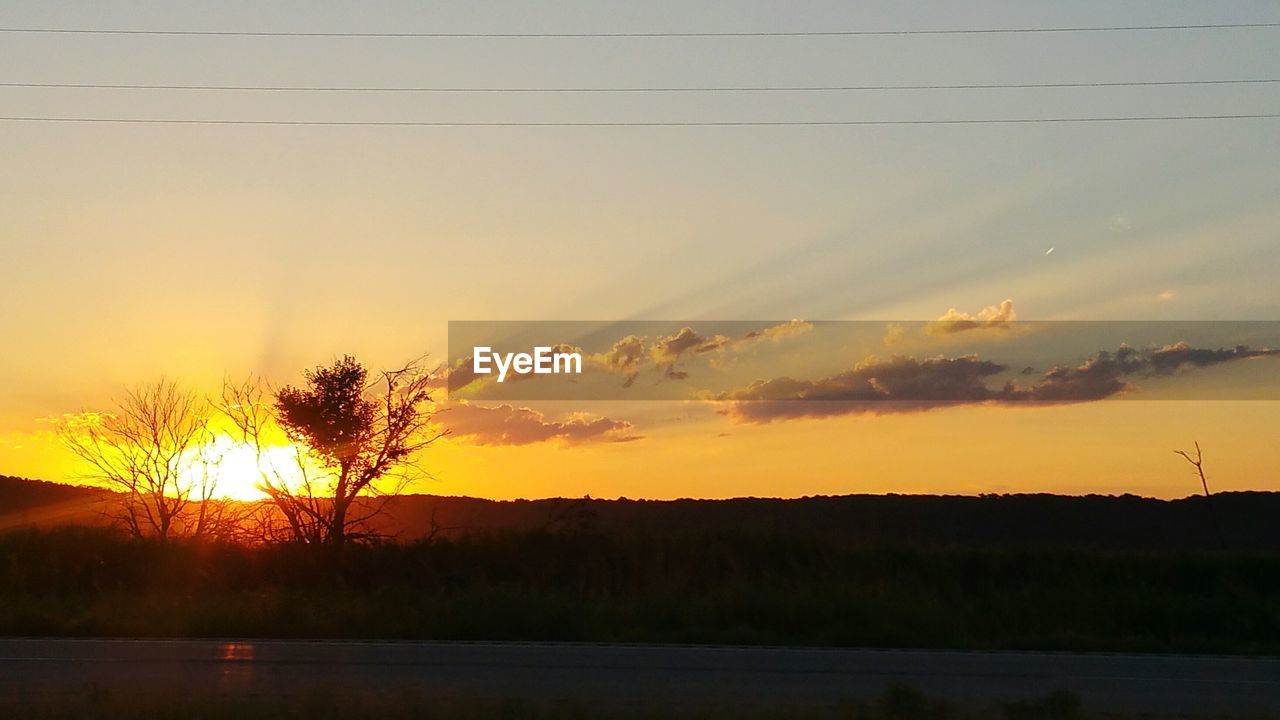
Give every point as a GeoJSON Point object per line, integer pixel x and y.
{"type": "Point", "coordinates": [36, 503]}
{"type": "Point", "coordinates": [1245, 520]}
{"type": "Point", "coordinates": [1240, 521]}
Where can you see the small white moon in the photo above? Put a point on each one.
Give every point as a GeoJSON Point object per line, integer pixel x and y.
{"type": "Point", "coordinates": [1049, 251]}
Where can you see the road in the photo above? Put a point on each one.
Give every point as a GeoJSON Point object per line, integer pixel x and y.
{"type": "Point", "coordinates": [636, 674]}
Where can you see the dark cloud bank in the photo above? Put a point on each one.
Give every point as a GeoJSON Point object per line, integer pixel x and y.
{"type": "Point", "coordinates": [905, 384]}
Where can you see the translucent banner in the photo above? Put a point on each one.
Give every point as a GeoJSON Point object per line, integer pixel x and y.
{"type": "Point", "coordinates": [948, 361]}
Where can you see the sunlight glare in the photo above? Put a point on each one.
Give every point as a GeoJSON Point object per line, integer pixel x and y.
{"type": "Point", "coordinates": [237, 467]}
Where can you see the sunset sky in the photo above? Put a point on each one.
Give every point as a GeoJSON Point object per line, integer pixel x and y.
{"type": "Point", "coordinates": [132, 251]}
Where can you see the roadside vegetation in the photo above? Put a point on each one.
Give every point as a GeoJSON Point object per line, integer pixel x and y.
{"type": "Point", "coordinates": [895, 703]}
{"type": "Point", "coordinates": [745, 586]}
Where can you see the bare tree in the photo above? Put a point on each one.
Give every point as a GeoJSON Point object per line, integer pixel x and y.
{"type": "Point", "coordinates": [152, 450]}
{"type": "Point", "coordinates": [355, 444]}
{"type": "Point", "coordinates": [1198, 463]}
{"type": "Point", "coordinates": [1211, 514]}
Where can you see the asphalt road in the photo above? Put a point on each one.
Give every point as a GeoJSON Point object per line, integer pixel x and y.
{"type": "Point", "coordinates": [639, 674]}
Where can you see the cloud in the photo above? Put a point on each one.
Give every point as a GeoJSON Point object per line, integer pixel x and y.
{"type": "Point", "coordinates": [460, 375]}
{"type": "Point", "coordinates": [995, 317]}
{"type": "Point", "coordinates": [776, 332]}
{"type": "Point", "coordinates": [75, 421]}
{"type": "Point", "coordinates": [631, 355]}
{"type": "Point", "coordinates": [509, 425]}
{"type": "Point", "coordinates": [669, 349]}
{"type": "Point", "coordinates": [1172, 358]}
{"type": "Point", "coordinates": [905, 384]}
{"type": "Point", "coordinates": [1098, 377]}
{"type": "Point", "coordinates": [894, 333]}
{"type": "Point", "coordinates": [1103, 375]}
{"type": "Point", "coordinates": [47, 429]}
{"type": "Point", "coordinates": [625, 358]}
{"type": "Point", "coordinates": [874, 385]}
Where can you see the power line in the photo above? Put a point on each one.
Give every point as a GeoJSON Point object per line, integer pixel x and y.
{"type": "Point", "coordinates": [702, 89]}
{"type": "Point", "coordinates": [798, 33]}
{"type": "Point", "coordinates": [663, 123]}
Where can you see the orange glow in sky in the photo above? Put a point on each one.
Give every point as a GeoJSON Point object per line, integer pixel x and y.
{"type": "Point", "coordinates": [205, 251]}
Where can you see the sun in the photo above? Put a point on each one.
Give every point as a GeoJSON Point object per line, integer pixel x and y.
{"type": "Point", "coordinates": [236, 467]}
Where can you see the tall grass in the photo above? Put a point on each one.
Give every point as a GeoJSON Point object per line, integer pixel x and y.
{"type": "Point", "coordinates": [895, 703]}
{"type": "Point", "coordinates": [700, 587]}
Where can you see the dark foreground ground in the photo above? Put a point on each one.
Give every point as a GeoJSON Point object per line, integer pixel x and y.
{"type": "Point", "coordinates": [745, 587]}
{"type": "Point", "coordinates": [201, 678]}
{"type": "Point", "coordinates": [1013, 581]}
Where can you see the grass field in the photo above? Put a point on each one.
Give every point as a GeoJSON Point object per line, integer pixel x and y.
{"type": "Point", "coordinates": [898, 703]}
{"type": "Point", "coordinates": [742, 587]}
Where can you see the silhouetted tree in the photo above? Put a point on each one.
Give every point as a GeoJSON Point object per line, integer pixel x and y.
{"type": "Point", "coordinates": [1198, 463]}
{"type": "Point", "coordinates": [152, 449]}
{"type": "Point", "coordinates": [353, 438]}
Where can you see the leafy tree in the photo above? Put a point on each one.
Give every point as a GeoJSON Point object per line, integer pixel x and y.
{"type": "Point", "coordinates": [355, 439]}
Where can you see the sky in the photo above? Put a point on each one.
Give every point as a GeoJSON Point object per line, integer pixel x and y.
{"type": "Point", "coordinates": [128, 252]}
